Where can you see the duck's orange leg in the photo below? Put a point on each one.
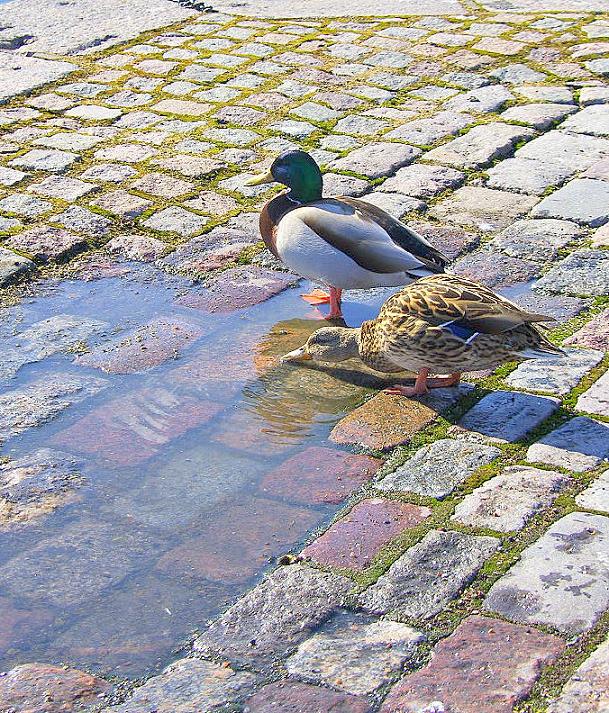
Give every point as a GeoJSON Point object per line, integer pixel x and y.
{"type": "Point", "coordinates": [335, 310]}
{"type": "Point", "coordinates": [423, 384]}
{"type": "Point", "coordinates": [319, 297]}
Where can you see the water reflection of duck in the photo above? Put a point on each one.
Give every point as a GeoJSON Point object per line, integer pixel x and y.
{"type": "Point", "coordinates": [343, 242]}
{"type": "Point", "coordinates": [444, 324]}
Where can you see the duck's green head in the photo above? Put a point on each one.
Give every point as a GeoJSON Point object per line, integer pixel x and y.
{"type": "Point", "coordinates": [298, 171]}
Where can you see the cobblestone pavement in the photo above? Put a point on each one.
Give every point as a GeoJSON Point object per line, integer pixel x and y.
{"type": "Point", "coordinates": [467, 567]}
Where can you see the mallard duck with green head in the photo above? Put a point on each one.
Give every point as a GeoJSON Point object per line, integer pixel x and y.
{"type": "Point", "coordinates": [442, 324]}
{"type": "Point", "coordinates": [343, 242]}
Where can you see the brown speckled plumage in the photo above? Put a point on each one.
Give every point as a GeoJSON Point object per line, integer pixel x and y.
{"type": "Point", "coordinates": [411, 331]}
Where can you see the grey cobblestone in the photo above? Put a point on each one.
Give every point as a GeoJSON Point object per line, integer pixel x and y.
{"type": "Point", "coordinates": [579, 445]}
{"type": "Point", "coordinates": [429, 575]}
{"type": "Point", "coordinates": [437, 469]}
{"type": "Point", "coordinates": [536, 590]}
{"type": "Point", "coordinates": [306, 598]}
{"type": "Point", "coordinates": [507, 501]}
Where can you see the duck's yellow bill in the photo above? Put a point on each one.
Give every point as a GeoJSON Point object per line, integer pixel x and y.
{"type": "Point", "coordinates": [296, 355]}
{"type": "Point", "coordinates": [260, 178]}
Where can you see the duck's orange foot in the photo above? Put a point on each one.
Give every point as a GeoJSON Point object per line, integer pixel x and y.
{"type": "Point", "coordinates": [399, 390]}
{"type": "Point", "coordinates": [316, 297]}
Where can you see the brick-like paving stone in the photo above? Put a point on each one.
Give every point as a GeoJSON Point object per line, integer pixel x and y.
{"type": "Point", "coordinates": [555, 375]}
{"type": "Point", "coordinates": [438, 468]}
{"type": "Point", "coordinates": [355, 539]}
{"type": "Point", "coordinates": [480, 146]}
{"type": "Point", "coordinates": [41, 687]}
{"type": "Point", "coordinates": [255, 631]}
{"type": "Point", "coordinates": [587, 691]}
{"type": "Point", "coordinates": [560, 580]}
{"type": "Point", "coordinates": [423, 181]}
{"type": "Point", "coordinates": [583, 200]}
{"type": "Point", "coordinates": [377, 159]}
{"type": "Point", "coordinates": [583, 272]}
{"type": "Point", "coordinates": [596, 496]}
{"type": "Point", "coordinates": [537, 240]}
{"type": "Point", "coordinates": [143, 348]}
{"type": "Point", "coordinates": [485, 664]}
{"type": "Point", "coordinates": [355, 655]}
{"type": "Point", "coordinates": [429, 575]}
{"type": "Point", "coordinates": [495, 269]}
{"type": "Point", "coordinates": [46, 243]}
{"type": "Point", "coordinates": [294, 697]}
{"type": "Point", "coordinates": [268, 527]}
{"type": "Point", "coordinates": [13, 266]}
{"type": "Point", "coordinates": [596, 399]}
{"type": "Point", "coordinates": [580, 444]}
{"type": "Point", "coordinates": [325, 476]}
{"type": "Point", "coordinates": [149, 419]}
{"type": "Point", "coordinates": [189, 685]}
{"type": "Point", "coordinates": [507, 501]}
{"type": "Point", "coordinates": [39, 401]}
{"type": "Point", "coordinates": [482, 208]}
{"type": "Point", "coordinates": [507, 416]}
{"type": "Point", "coordinates": [594, 334]}
{"type": "Point", "coordinates": [387, 421]}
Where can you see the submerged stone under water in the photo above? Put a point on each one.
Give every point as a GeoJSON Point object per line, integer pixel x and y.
{"type": "Point", "coordinates": [195, 458]}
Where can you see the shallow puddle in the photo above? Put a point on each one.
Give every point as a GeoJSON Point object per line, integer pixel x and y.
{"type": "Point", "coordinates": [196, 472]}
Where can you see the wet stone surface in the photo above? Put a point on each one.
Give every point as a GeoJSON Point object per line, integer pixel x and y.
{"type": "Point", "coordinates": [24, 407]}
{"type": "Point", "coordinates": [281, 612]}
{"type": "Point", "coordinates": [146, 347]}
{"type": "Point", "coordinates": [188, 685]}
{"type": "Point", "coordinates": [325, 476]}
{"type": "Point", "coordinates": [40, 688]}
{"type": "Point", "coordinates": [536, 590]}
{"type": "Point", "coordinates": [386, 421]}
{"type": "Point", "coordinates": [35, 485]}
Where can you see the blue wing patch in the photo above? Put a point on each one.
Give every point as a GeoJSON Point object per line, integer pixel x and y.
{"type": "Point", "coordinates": [461, 331]}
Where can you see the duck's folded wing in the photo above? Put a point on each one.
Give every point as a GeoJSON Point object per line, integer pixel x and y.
{"type": "Point", "coordinates": [450, 299]}
{"type": "Point", "coordinates": [363, 240]}
{"type": "Point", "coordinates": [401, 234]}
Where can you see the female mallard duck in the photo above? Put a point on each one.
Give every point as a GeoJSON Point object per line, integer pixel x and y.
{"type": "Point", "coordinates": [344, 242]}
{"type": "Point", "coordinates": [443, 324]}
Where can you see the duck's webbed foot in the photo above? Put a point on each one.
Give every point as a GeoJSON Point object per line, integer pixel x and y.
{"type": "Point", "coordinates": [419, 388]}
{"type": "Point", "coordinates": [423, 384]}
{"type": "Point", "coordinates": [316, 297]}
{"type": "Point", "coordinates": [319, 297]}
